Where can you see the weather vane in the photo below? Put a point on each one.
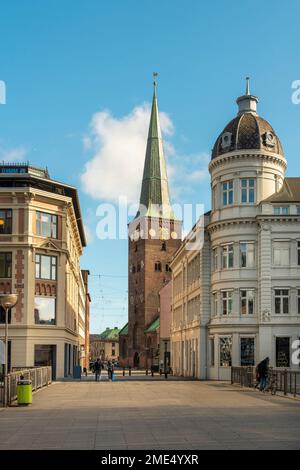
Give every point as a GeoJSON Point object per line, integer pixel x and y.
{"type": "Point", "coordinates": [155, 75]}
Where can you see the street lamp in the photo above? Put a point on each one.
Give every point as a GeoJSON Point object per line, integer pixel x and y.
{"type": "Point", "coordinates": [7, 301]}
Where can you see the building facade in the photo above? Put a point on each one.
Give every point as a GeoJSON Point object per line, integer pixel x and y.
{"type": "Point", "coordinates": [154, 236]}
{"type": "Point", "coordinates": [240, 302]}
{"type": "Point", "coordinates": [41, 241]}
{"type": "Point", "coordinates": [106, 345]}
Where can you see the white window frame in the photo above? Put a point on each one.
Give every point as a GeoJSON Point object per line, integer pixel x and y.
{"type": "Point", "coordinates": [227, 190]}
{"type": "Point", "coordinates": [226, 251]}
{"type": "Point", "coordinates": [227, 300]}
{"type": "Point", "coordinates": [282, 296]}
{"type": "Point", "coordinates": [281, 210]}
{"type": "Point", "coordinates": [249, 293]}
{"type": "Point", "coordinates": [248, 189]}
{"type": "Point", "coordinates": [248, 264]}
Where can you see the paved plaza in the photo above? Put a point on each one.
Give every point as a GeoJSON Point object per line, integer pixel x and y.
{"type": "Point", "coordinates": [151, 414]}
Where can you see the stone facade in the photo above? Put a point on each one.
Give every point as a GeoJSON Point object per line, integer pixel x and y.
{"type": "Point", "coordinates": [248, 268]}
{"type": "Point", "coordinates": [43, 246]}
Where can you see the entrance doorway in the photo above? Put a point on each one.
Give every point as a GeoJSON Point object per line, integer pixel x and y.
{"type": "Point", "coordinates": [136, 359]}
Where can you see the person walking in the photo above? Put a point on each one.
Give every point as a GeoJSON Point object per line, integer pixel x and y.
{"type": "Point", "coordinates": [110, 370]}
{"type": "Point", "coordinates": [97, 369]}
{"type": "Point", "coordinates": [262, 372]}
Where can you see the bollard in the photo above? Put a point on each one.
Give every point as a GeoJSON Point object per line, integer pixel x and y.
{"type": "Point", "coordinates": [129, 368]}
{"type": "Point", "coordinates": [166, 375]}
{"type": "Point", "coordinates": [123, 371]}
{"type": "Point", "coordinates": [146, 371]}
{"type": "Point", "coordinates": [152, 372]}
{"type": "Point", "coordinates": [160, 371]}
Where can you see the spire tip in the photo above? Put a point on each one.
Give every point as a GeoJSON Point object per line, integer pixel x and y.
{"type": "Point", "coordinates": [248, 86]}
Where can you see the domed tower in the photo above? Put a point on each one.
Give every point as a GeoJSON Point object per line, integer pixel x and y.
{"type": "Point", "coordinates": [247, 166]}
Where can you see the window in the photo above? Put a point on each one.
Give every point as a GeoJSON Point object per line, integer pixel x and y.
{"type": "Point", "coordinates": [212, 351]}
{"type": "Point", "coordinates": [226, 302]}
{"type": "Point", "coordinates": [281, 301]}
{"type": "Point", "coordinates": [281, 253]}
{"type": "Point", "coordinates": [5, 265]}
{"type": "Point", "coordinates": [247, 351]}
{"type": "Point", "coordinates": [113, 352]}
{"type": "Point", "coordinates": [46, 224]}
{"type": "Point", "coordinates": [282, 352]}
{"type": "Point", "coordinates": [168, 269]}
{"type": "Point", "coordinates": [157, 267]}
{"type": "Point", "coordinates": [227, 193]}
{"type": "Point", "coordinates": [247, 302]}
{"type": "Point", "coordinates": [215, 259]}
{"type": "Point", "coordinates": [298, 210]}
{"type": "Point", "coordinates": [225, 351]}
{"type": "Point", "coordinates": [163, 246]}
{"type": "Point", "coordinates": [44, 310]}
{"type": "Point", "coordinates": [298, 301]}
{"type": "Point", "coordinates": [45, 267]}
{"type": "Point", "coordinates": [298, 253]}
{"type": "Point", "coordinates": [281, 210]}
{"type": "Point", "coordinates": [227, 256]}
{"type": "Point", "coordinates": [247, 255]}
{"type": "Point", "coordinates": [3, 314]}
{"type": "Point", "coordinates": [215, 304]}
{"type": "Point", "coordinates": [248, 191]}
{"type": "Point", "coordinates": [214, 198]}
{"type": "Point", "coordinates": [5, 221]}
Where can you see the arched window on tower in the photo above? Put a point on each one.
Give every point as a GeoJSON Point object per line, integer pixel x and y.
{"type": "Point", "coordinates": [157, 267]}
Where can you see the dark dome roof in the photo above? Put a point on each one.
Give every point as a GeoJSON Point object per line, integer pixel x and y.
{"type": "Point", "coordinates": [247, 131]}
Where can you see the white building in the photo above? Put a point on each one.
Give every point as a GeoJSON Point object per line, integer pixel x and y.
{"type": "Point", "coordinates": [237, 299]}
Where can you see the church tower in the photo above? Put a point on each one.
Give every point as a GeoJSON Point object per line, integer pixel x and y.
{"type": "Point", "coordinates": [154, 236]}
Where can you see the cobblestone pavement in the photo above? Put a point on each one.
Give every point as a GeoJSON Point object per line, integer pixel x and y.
{"type": "Point", "coordinates": [151, 414]}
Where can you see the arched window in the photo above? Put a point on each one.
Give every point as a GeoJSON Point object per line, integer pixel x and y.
{"type": "Point", "coordinates": [157, 266]}
{"type": "Point", "coordinates": [168, 269]}
{"type": "Point", "coordinates": [163, 246]}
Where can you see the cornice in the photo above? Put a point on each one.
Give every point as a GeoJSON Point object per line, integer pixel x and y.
{"type": "Point", "coordinates": [236, 155]}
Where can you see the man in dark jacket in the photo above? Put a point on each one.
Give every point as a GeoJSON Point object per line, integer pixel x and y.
{"type": "Point", "coordinates": [97, 369]}
{"type": "Point", "coordinates": [262, 372]}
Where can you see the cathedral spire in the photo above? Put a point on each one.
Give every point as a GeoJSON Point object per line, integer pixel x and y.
{"type": "Point", "coordinates": [155, 199]}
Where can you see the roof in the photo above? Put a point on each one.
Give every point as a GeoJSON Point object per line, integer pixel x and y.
{"type": "Point", "coordinates": [20, 175]}
{"type": "Point", "coordinates": [124, 330]}
{"type": "Point", "coordinates": [155, 188]}
{"type": "Point", "coordinates": [289, 192]}
{"type": "Point", "coordinates": [247, 131]}
{"type": "Point", "coordinates": [110, 334]}
{"type": "Point", "coordinates": [153, 327]}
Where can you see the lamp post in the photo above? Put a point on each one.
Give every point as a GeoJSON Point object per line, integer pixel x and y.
{"type": "Point", "coordinates": [7, 301]}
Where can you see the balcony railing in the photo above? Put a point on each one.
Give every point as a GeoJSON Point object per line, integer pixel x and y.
{"type": "Point", "coordinates": [39, 376]}
{"type": "Point", "coordinates": [286, 381]}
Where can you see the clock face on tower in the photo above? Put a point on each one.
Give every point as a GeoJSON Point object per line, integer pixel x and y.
{"type": "Point", "coordinates": [163, 233]}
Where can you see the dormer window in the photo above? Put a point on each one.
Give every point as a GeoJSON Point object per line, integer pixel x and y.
{"type": "Point", "coordinates": [281, 210]}
{"type": "Point", "coordinates": [226, 140]}
{"type": "Point", "coordinates": [269, 139]}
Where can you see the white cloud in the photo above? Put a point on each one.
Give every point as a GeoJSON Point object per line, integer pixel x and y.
{"type": "Point", "coordinates": [118, 151]}
{"type": "Point", "coordinates": [16, 154]}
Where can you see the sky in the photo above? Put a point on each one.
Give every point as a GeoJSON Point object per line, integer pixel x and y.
{"type": "Point", "coordinates": [78, 77]}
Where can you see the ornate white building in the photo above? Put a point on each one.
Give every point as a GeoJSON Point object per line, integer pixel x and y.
{"type": "Point", "coordinates": [237, 299]}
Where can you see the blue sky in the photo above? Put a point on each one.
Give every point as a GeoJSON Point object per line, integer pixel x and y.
{"type": "Point", "coordinates": [78, 78]}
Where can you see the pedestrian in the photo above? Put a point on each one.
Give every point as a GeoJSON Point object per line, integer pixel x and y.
{"type": "Point", "coordinates": [262, 373]}
{"type": "Point", "coordinates": [110, 370]}
{"type": "Point", "coordinates": [97, 369]}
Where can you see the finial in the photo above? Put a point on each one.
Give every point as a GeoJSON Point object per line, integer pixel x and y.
{"type": "Point", "coordinates": [155, 75]}
{"type": "Point", "coordinates": [248, 86]}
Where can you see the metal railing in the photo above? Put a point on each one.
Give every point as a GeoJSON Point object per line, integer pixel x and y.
{"type": "Point", "coordinates": [39, 376]}
{"type": "Point", "coordinates": [286, 381]}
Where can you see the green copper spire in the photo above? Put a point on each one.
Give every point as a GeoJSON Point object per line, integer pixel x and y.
{"type": "Point", "coordinates": [155, 199]}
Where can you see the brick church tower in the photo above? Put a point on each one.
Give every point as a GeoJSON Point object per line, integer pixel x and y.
{"type": "Point", "coordinates": [154, 236]}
